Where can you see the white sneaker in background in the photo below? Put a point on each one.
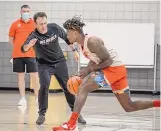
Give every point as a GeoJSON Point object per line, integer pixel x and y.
{"type": "Point", "coordinates": [11, 61]}
{"type": "Point", "coordinates": [22, 109]}
{"type": "Point", "coordinates": [22, 102]}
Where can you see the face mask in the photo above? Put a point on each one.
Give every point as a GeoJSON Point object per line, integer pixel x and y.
{"type": "Point", "coordinates": [25, 16]}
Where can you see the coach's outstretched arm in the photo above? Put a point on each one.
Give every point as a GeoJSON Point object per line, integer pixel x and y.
{"type": "Point", "coordinates": [30, 42]}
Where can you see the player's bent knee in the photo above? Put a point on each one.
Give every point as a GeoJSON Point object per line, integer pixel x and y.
{"type": "Point", "coordinates": [129, 108]}
{"type": "Point", "coordinates": [82, 90]}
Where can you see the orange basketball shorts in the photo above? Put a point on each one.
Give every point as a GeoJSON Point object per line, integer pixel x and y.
{"type": "Point", "coordinates": [116, 77]}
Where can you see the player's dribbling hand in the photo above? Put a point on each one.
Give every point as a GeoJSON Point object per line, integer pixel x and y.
{"type": "Point", "coordinates": [84, 72]}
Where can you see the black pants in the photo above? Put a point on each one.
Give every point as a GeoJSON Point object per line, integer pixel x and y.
{"type": "Point", "coordinates": [60, 71]}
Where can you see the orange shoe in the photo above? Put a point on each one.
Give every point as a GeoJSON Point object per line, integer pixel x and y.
{"type": "Point", "coordinates": [65, 127]}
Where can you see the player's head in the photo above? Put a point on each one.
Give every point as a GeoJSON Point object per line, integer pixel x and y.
{"type": "Point", "coordinates": [25, 12]}
{"type": "Point", "coordinates": [74, 28]}
{"type": "Point", "coordinates": [40, 19]}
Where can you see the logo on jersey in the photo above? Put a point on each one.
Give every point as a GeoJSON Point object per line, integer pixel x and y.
{"type": "Point", "coordinates": [19, 25]}
{"type": "Point", "coordinates": [48, 41]}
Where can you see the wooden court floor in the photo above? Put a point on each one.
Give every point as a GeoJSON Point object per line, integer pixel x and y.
{"type": "Point", "coordinates": [101, 111]}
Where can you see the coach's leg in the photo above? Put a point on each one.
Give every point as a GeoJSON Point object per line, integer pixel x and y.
{"type": "Point", "coordinates": [61, 74]}
{"type": "Point", "coordinates": [44, 78]}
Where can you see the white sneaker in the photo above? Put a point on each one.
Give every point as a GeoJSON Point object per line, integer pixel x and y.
{"type": "Point", "coordinates": [22, 109]}
{"type": "Point", "coordinates": [22, 102]}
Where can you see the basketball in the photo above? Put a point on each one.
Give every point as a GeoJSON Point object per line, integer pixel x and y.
{"type": "Point", "coordinates": [73, 84]}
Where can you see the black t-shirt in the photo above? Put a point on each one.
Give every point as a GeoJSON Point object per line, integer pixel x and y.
{"type": "Point", "coordinates": [47, 48]}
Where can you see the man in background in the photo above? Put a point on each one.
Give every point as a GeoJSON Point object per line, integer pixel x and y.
{"type": "Point", "coordinates": [23, 62]}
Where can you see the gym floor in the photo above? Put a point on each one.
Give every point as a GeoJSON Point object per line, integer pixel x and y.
{"type": "Point", "coordinates": [101, 111]}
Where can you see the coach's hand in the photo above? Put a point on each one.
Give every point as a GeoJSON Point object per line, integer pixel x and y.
{"type": "Point", "coordinates": [84, 72]}
{"type": "Point", "coordinates": [29, 45]}
{"type": "Point", "coordinates": [32, 42]}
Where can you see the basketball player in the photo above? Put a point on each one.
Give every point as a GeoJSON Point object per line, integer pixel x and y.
{"type": "Point", "coordinates": [106, 61]}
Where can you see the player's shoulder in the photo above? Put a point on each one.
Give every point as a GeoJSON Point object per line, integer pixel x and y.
{"type": "Point", "coordinates": [93, 39]}
{"type": "Point", "coordinates": [94, 42]}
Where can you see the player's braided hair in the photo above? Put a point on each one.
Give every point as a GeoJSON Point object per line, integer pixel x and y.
{"type": "Point", "coordinates": [74, 24]}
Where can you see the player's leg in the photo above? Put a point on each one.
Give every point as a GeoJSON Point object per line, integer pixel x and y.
{"type": "Point", "coordinates": [19, 68]}
{"type": "Point", "coordinates": [31, 67]}
{"type": "Point", "coordinates": [117, 77]}
{"type": "Point", "coordinates": [88, 85]}
{"type": "Point", "coordinates": [61, 74]}
{"type": "Point", "coordinates": [130, 106]}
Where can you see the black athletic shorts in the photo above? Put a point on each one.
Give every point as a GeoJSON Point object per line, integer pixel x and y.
{"type": "Point", "coordinates": [26, 64]}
